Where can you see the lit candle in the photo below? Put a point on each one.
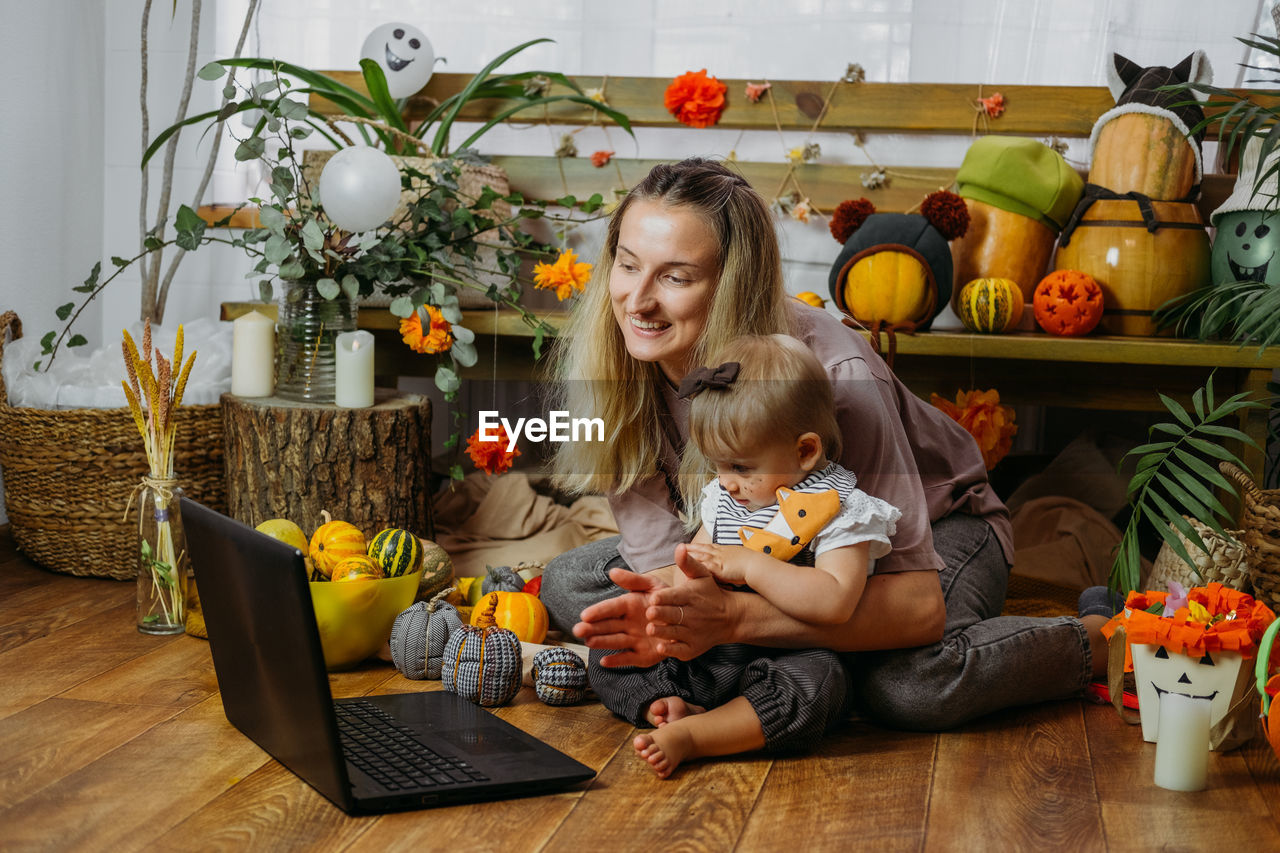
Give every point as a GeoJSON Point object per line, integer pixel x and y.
{"type": "Point", "coordinates": [253, 355]}
{"type": "Point", "coordinates": [354, 384]}
{"type": "Point", "coordinates": [1182, 744]}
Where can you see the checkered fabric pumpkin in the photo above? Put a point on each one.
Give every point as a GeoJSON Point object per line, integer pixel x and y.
{"type": "Point", "coordinates": [482, 663]}
{"type": "Point", "coordinates": [420, 634]}
{"type": "Point", "coordinates": [559, 676]}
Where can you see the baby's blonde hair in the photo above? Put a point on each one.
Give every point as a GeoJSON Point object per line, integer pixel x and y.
{"type": "Point", "coordinates": [782, 392]}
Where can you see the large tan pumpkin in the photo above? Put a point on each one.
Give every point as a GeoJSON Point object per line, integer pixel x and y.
{"type": "Point", "coordinates": [1138, 270]}
{"type": "Point", "coordinates": [1146, 153]}
{"type": "Point", "coordinates": [1001, 244]}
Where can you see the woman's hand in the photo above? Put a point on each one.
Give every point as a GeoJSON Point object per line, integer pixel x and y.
{"type": "Point", "coordinates": [690, 617]}
{"type": "Point", "coordinates": [620, 622]}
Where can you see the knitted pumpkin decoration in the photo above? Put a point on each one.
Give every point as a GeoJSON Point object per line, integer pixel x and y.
{"type": "Point", "coordinates": [559, 676]}
{"type": "Point", "coordinates": [420, 634]}
{"type": "Point", "coordinates": [1068, 302]}
{"type": "Point", "coordinates": [482, 662]}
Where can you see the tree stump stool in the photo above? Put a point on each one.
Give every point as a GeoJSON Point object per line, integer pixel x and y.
{"type": "Point", "coordinates": [371, 467]}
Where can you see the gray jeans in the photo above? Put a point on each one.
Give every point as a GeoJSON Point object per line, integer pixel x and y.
{"type": "Point", "coordinates": [984, 662]}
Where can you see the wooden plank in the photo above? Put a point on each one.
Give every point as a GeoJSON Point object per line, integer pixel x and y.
{"type": "Point", "coordinates": [863, 771]}
{"type": "Point", "coordinates": [45, 603]}
{"type": "Point", "coordinates": [1264, 767]}
{"type": "Point", "coordinates": [1032, 765]}
{"type": "Point", "coordinates": [1231, 813]}
{"type": "Point", "coordinates": [45, 667]}
{"type": "Point", "coordinates": [131, 795]}
{"type": "Point", "coordinates": [887, 107]}
{"type": "Point", "coordinates": [178, 674]}
{"type": "Point", "coordinates": [57, 737]}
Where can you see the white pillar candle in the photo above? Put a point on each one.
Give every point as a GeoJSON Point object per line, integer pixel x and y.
{"type": "Point", "coordinates": [1182, 744]}
{"type": "Point", "coordinates": [253, 355]}
{"type": "Point", "coordinates": [354, 385]}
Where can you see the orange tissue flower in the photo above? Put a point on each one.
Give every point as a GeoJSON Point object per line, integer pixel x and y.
{"type": "Point", "coordinates": [565, 276]}
{"type": "Point", "coordinates": [695, 99]}
{"type": "Point", "coordinates": [492, 457]}
{"type": "Point", "coordinates": [600, 159]}
{"type": "Point", "coordinates": [437, 339]}
{"type": "Point", "coordinates": [982, 416]}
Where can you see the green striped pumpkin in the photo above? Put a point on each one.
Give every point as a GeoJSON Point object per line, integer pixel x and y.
{"type": "Point", "coordinates": [990, 305]}
{"type": "Point", "coordinates": [398, 551]}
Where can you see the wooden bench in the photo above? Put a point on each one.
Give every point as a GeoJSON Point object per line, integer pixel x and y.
{"type": "Point", "coordinates": [1094, 372]}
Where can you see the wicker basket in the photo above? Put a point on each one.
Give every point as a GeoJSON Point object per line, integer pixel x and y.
{"type": "Point", "coordinates": [1260, 519]}
{"type": "Point", "coordinates": [1226, 562]}
{"type": "Point", "coordinates": [68, 475]}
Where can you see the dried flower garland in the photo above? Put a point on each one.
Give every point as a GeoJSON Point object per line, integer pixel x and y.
{"type": "Point", "coordinates": [755, 91]}
{"type": "Point", "coordinates": [600, 159]}
{"type": "Point", "coordinates": [566, 276]}
{"type": "Point", "coordinates": [980, 413]}
{"type": "Point", "coordinates": [695, 99]}
{"type": "Point", "coordinates": [436, 338]}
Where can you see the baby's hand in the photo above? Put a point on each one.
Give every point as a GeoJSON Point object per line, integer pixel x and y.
{"type": "Point", "coordinates": [724, 562]}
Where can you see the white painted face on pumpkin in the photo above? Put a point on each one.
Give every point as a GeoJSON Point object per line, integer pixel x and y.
{"type": "Point", "coordinates": [1158, 671]}
{"type": "Point", "coordinates": [404, 54]}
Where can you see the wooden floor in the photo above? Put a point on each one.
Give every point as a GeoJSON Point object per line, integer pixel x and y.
{"type": "Point", "coordinates": [111, 740]}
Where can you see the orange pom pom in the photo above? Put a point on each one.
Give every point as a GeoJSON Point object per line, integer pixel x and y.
{"type": "Point", "coordinates": [848, 217]}
{"type": "Point", "coordinates": [947, 212]}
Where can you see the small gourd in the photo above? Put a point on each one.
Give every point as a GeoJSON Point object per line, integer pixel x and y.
{"type": "Point", "coordinates": [500, 579]}
{"type": "Point", "coordinates": [398, 551]}
{"type": "Point", "coordinates": [333, 542]}
{"type": "Point", "coordinates": [482, 663]}
{"type": "Point", "coordinates": [420, 635]}
{"type": "Point", "coordinates": [559, 676]}
{"type": "Point", "coordinates": [990, 305]}
{"type": "Point", "coordinates": [357, 567]}
{"type": "Point", "coordinates": [519, 612]}
{"type": "Point", "coordinates": [437, 570]}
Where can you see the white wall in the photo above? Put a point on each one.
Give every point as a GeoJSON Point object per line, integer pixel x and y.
{"type": "Point", "coordinates": [53, 103]}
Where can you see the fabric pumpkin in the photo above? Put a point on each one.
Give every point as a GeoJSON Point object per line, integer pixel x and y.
{"type": "Point", "coordinates": [420, 635]}
{"type": "Point", "coordinates": [519, 612]}
{"type": "Point", "coordinates": [482, 663]}
{"type": "Point", "coordinates": [398, 551]}
{"type": "Point", "coordinates": [559, 676]}
{"type": "Point", "coordinates": [990, 305]}
{"type": "Point", "coordinates": [1068, 302]}
{"type": "Point", "coordinates": [332, 542]}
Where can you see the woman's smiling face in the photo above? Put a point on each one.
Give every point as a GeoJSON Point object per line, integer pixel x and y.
{"type": "Point", "coordinates": [663, 277]}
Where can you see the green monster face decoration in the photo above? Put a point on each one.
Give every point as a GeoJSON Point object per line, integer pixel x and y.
{"type": "Point", "coordinates": [1245, 248]}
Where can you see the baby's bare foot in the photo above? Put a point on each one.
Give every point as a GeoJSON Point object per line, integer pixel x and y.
{"type": "Point", "coordinates": [663, 748]}
{"type": "Point", "coordinates": [670, 709]}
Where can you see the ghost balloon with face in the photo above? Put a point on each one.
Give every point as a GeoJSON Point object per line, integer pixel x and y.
{"type": "Point", "coordinates": [404, 54]}
{"type": "Point", "coordinates": [1245, 247]}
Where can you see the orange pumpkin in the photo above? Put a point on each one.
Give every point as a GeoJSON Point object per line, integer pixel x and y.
{"type": "Point", "coordinates": [357, 567]}
{"type": "Point", "coordinates": [333, 542]}
{"type": "Point", "coordinates": [1145, 153]}
{"type": "Point", "coordinates": [1068, 302]}
{"type": "Point", "coordinates": [519, 612]}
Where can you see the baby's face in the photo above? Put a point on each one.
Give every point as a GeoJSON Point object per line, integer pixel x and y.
{"type": "Point", "coordinates": [753, 479]}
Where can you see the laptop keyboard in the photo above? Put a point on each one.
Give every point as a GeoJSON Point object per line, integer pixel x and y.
{"type": "Point", "coordinates": [390, 753]}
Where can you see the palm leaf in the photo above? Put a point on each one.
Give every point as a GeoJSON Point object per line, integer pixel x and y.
{"type": "Point", "coordinates": [446, 122]}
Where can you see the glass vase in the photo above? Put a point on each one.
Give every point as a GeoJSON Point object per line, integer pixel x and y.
{"type": "Point", "coordinates": [163, 560]}
{"type": "Point", "coordinates": [307, 329]}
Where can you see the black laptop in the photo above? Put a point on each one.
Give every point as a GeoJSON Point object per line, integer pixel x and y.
{"type": "Point", "coordinates": [371, 754]}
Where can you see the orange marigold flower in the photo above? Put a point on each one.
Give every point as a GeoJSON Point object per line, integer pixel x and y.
{"type": "Point", "coordinates": [982, 416]}
{"type": "Point", "coordinates": [755, 91]}
{"type": "Point", "coordinates": [492, 456]}
{"type": "Point", "coordinates": [993, 105]}
{"type": "Point", "coordinates": [565, 276]}
{"type": "Point", "coordinates": [437, 339]}
{"type": "Point", "coordinates": [600, 159]}
{"type": "Point", "coordinates": [695, 99]}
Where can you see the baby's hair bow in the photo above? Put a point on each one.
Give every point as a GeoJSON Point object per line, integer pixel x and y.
{"type": "Point", "coordinates": [701, 378]}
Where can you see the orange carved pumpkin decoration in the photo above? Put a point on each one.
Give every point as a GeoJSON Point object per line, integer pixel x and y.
{"type": "Point", "coordinates": [1068, 303]}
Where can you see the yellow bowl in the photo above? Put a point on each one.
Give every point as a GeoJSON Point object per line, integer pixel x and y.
{"type": "Point", "coordinates": [355, 617]}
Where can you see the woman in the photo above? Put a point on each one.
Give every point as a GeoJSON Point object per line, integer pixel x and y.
{"type": "Point", "coordinates": [690, 262]}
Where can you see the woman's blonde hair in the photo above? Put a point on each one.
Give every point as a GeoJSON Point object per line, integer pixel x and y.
{"type": "Point", "coordinates": [598, 378]}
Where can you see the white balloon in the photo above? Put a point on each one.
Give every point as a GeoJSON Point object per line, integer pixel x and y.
{"type": "Point", "coordinates": [404, 54]}
{"type": "Point", "coordinates": [359, 188]}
